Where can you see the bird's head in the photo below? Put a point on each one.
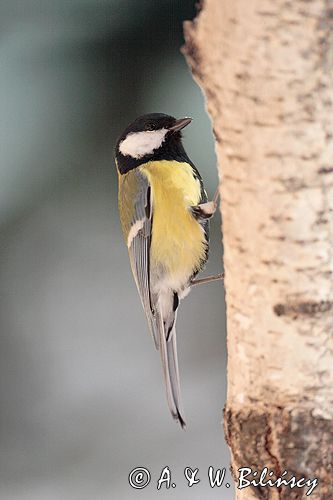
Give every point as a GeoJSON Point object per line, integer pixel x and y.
{"type": "Point", "coordinates": [155, 136]}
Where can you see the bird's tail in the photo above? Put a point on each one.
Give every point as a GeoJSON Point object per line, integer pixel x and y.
{"type": "Point", "coordinates": [169, 358]}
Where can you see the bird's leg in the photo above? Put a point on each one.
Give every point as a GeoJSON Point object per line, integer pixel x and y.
{"type": "Point", "coordinates": [208, 279]}
{"type": "Point", "coordinates": [208, 209]}
{"type": "Point", "coordinates": [216, 195]}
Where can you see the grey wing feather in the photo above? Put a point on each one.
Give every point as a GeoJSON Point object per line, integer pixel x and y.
{"type": "Point", "coordinates": [139, 250]}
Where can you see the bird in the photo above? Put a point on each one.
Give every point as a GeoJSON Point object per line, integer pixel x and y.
{"type": "Point", "coordinates": [164, 214]}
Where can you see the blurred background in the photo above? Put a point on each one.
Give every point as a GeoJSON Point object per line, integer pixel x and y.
{"type": "Point", "coordinates": [82, 400]}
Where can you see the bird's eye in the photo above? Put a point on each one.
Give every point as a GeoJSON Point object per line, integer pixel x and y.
{"type": "Point", "coordinates": [149, 126]}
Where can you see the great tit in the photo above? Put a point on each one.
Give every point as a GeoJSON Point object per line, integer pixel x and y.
{"type": "Point", "coordinates": [164, 216]}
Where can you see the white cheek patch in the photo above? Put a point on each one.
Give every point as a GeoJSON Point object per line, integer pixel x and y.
{"type": "Point", "coordinates": [138, 144]}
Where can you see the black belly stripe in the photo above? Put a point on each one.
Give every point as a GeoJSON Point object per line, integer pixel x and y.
{"type": "Point", "coordinates": [175, 301]}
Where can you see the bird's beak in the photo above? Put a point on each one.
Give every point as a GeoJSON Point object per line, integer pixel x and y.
{"type": "Point", "coordinates": [180, 123]}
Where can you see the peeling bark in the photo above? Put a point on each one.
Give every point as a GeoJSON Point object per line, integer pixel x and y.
{"type": "Point", "coordinates": [266, 71]}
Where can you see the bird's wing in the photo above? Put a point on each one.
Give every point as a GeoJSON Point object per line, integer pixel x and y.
{"type": "Point", "coordinates": [136, 205]}
{"type": "Point", "coordinates": [203, 221]}
{"type": "Point", "coordinates": [203, 199]}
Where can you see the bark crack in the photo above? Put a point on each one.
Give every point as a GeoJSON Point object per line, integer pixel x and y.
{"type": "Point", "coordinates": [271, 447]}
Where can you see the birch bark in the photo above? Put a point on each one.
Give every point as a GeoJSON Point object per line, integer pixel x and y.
{"type": "Point", "coordinates": [265, 68]}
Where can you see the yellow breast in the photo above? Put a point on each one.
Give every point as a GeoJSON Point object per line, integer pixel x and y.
{"type": "Point", "coordinates": [178, 241]}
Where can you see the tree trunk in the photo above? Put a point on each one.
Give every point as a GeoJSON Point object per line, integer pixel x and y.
{"type": "Point", "coordinates": [266, 70]}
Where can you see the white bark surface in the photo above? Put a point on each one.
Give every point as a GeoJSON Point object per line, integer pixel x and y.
{"type": "Point", "coordinates": [266, 70]}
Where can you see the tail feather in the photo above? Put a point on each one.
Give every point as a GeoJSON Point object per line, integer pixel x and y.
{"type": "Point", "coordinates": [168, 351]}
{"type": "Point", "coordinates": [174, 376]}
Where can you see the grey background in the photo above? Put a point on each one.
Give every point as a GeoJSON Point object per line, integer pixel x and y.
{"type": "Point", "coordinates": [81, 394]}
